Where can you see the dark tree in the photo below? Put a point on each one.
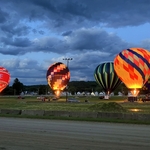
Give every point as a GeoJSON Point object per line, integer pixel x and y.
{"type": "Point", "coordinates": [72, 89]}
{"type": "Point", "coordinates": [7, 91]}
{"type": "Point", "coordinates": [17, 86]}
{"type": "Point", "coordinates": [42, 89]}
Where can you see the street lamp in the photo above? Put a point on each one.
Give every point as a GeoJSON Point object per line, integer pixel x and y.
{"type": "Point", "coordinates": [67, 59]}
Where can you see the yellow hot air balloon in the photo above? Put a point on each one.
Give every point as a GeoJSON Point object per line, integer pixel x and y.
{"type": "Point", "coordinates": [133, 68]}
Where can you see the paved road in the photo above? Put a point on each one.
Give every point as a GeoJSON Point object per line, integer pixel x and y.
{"type": "Point", "coordinates": [38, 134]}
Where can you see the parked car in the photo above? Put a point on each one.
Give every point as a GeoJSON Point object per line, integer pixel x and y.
{"type": "Point", "coordinates": [73, 100]}
{"type": "Point", "coordinates": [43, 98]}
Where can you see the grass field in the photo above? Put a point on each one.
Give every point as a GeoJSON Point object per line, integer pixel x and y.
{"type": "Point", "coordinates": [31, 102]}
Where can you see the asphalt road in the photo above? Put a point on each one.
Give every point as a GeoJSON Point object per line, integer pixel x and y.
{"type": "Point", "coordinates": [38, 134]}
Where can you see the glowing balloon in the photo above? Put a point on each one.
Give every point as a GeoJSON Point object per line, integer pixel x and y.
{"type": "Point", "coordinates": [133, 68]}
{"type": "Point", "coordinates": [106, 77]}
{"type": "Point", "coordinates": [147, 85]}
{"type": "Point", "coordinates": [58, 77]}
{"type": "Point", "coordinates": [4, 78]}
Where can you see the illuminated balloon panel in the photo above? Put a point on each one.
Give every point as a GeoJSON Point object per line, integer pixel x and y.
{"type": "Point", "coordinates": [106, 77]}
{"type": "Point", "coordinates": [58, 76]}
{"type": "Point", "coordinates": [132, 67]}
{"type": "Point", "coordinates": [4, 78]}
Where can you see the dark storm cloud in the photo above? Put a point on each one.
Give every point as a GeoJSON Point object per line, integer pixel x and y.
{"type": "Point", "coordinates": [13, 29]}
{"type": "Point", "coordinates": [18, 42]}
{"type": "Point", "coordinates": [66, 27]}
{"type": "Point", "coordinates": [62, 14]}
{"type": "Point", "coordinates": [3, 16]}
{"type": "Point", "coordinates": [112, 13]}
{"type": "Point", "coordinates": [41, 32]}
{"type": "Point", "coordinates": [34, 30]}
{"type": "Point", "coordinates": [67, 16]}
{"type": "Point", "coordinates": [81, 40]}
{"type": "Point", "coordinates": [117, 13]}
{"type": "Point", "coordinates": [49, 44]}
{"type": "Point", "coordinates": [95, 40]}
{"type": "Point", "coordinates": [27, 71]}
{"type": "Point", "coordinates": [66, 33]}
{"type": "Point", "coordinates": [13, 51]}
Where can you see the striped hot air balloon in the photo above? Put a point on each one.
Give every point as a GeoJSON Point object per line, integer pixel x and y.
{"type": "Point", "coordinates": [147, 86]}
{"type": "Point", "coordinates": [106, 77]}
{"type": "Point", "coordinates": [133, 68]}
{"type": "Point", "coordinates": [4, 78]}
{"type": "Point", "coordinates": [58, 76]}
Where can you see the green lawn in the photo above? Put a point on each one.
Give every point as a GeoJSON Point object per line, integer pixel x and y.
{"type": "Point", "coordinates": [61, 104]}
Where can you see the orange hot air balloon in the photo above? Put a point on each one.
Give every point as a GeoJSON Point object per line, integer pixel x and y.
{"type": "Point", "coordinates": [4, 78]}
{"type": "Point", "coordinates": [133, 68]}
{"type": "Point", "coordinates": [58, 76]}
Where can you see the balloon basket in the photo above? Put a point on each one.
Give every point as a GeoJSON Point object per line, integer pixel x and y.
{"type": "Point", "coordinates": [106, 97]}
{"type": "Point", "coordinates": [132, 98]}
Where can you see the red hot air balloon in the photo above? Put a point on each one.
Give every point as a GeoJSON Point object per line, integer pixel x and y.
{"type": "Point", "coordinates": [4, 78]}
{"type": "Point", "coordinates": [58, 77]}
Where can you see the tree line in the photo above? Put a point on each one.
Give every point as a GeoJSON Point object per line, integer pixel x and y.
{"type": "Point", "coordinates": [73, 87]}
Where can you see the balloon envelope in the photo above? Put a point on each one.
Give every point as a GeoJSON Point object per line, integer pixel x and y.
{"type": "Point", "coordinates": [147, 85]}
{"type": "Point", "coordinates": [4, 78]}
{"type": "Point", "coordinates": [106, 77]}
{"type": "Point", "coordinates": [132, 67]}
{"type": "Point", "coordinates": [58, 76]}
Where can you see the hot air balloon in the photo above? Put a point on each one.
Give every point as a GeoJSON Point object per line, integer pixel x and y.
{"type": "Point", "coordinates": [106, 77]}
{"type": "Point", "coordinates": [58, 77]}
{"type": "Point", "coordinates": [4, 78]}
{"type": "Point", "coordinates": [133, 68]}
{"type": "Point", "coordinates": [146, 86]}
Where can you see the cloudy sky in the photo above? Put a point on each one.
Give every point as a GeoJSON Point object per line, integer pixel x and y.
{"type": "Point", "coordinates": [36, 33]}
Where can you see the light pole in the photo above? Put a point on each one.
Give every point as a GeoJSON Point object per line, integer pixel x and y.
{"type": "Point", "coordinates": [67, 59]}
